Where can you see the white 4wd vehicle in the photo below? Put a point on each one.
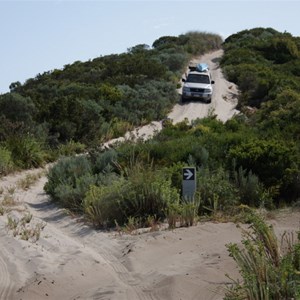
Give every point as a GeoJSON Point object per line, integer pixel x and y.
{"type": "Point", "coordinates": [197, 85]}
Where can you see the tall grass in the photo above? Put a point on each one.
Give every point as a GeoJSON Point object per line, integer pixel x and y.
{"type": "Point", "coordinates": [26, 151]}
{"type": "Point", "coordinates": [267, 271]}
{"type": "Point", "coordinates": [6, 162]}
{"type": "Point", "coordinates": [101, 204]}
{"type": "Point", "coordinates": [142, 193]}
{"type": "Point", "coordinates": [183, 212]}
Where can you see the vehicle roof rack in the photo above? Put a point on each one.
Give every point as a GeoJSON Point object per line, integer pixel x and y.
{"type": "Point", "coordinates": [202, 67]}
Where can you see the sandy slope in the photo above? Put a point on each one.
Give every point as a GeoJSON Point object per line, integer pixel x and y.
{"type": "Point", "coordinates": [70, 260]}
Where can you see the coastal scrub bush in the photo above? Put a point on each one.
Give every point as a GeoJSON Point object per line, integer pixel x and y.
{"type": "Point", "coordinates": [17, 108]}
{"type": "Point", "coordinates": [251, 190]}
{"type": "Point", "coordinates": [26, 151]}
{"type": "Point", "coordinates": [70, 148]}
{"type": "Point", "coordinates": [269, 159]}
{"type": "Point", "coordinates": [69, 180]}
{"type": "Point", "coordinates": [150, 193]}
{"type": "Point", "coordinates": [216, 191]}
{"type": "Point", "coordinates": [6, 163]}
{"type": "Point", "coordinates": [103, 162]}
{"type": "Point", "coordinates": [101, 204]}
{"type": "Point", "coordinates": [267, 271]}
{"type": "Point", "coordinates": [173, 150]}
{"type": "Point", "coordinates": [139, 194]}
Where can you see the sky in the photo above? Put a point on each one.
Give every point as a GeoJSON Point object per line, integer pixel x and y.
{"type": "Point", "coordinates": [40, 36]}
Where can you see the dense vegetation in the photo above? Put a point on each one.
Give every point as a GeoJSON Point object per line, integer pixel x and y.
{"type": "Point", "coordinates": [253, 159]}
{"type": "Point", "coordinates": [86, 103]}
{"type": "Point", "coordinates": [266, 66]}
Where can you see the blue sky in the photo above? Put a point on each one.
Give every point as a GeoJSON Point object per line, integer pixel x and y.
{"type": "Point", "coordinates": [38, 36]}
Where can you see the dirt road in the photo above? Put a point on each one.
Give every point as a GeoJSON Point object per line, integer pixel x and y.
{"type": "Point", "coordinates": [46, 253]}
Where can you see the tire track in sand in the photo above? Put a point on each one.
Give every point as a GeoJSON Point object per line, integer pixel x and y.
{"type": "Point", "coordinates": [95, 247]}
{"type": "Point", "coordinates": [125, 276]}
{"type": "Point", "coordinates": [6, 285]}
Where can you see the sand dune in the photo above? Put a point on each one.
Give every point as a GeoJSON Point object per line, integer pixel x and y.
{"type": "Point", "coordinates": [54, 255]}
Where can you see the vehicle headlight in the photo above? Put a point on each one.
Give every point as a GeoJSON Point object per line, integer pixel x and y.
{"type": "Point", "coordinates": [186, 89]}
{"type": "Point", "coordinates": [207, 91]}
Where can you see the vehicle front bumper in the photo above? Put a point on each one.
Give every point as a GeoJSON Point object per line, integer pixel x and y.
{"type": "Point", "coordinates": [195, 95]}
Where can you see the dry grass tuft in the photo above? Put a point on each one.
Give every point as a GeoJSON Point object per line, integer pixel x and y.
{"type": "Point", "coordinates": [29, 180]}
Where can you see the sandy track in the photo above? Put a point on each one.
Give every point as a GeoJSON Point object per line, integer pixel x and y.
{"type": "Point", "coordinates": [69, 261]}
{"type": "Point", "coordinates": [224, 98]}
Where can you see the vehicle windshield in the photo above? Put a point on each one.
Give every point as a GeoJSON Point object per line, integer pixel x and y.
{"type": "Point", "coordinates": [198, 78]}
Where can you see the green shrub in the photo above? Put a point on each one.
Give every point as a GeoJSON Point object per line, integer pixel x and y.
{"type": "Point", "coordinates": [69, 180]}
{"type": "Point", "coordinates": [6, 163]}
{"type": "Point", "coordinates": [102, 204]}
{"type": "Point", "coordinates": [103, 162]}
{"type": "Point", "coordinates": [151, 193]}
{"type": "Point", "coordinates": [251, 190]}
{"type": "Point", "coordinates": [17, 109]}
{"type": "Point", "coordinates": [120, 127]}
{"type": "Point", "coordinates": [267, 272]}
{"type": "Point", "coordinates": [26, 151]}
{"type": "Point", "coordinates": [283, 115]}
{"type": "Point", "coordinates": [216, 191]}
{"type": "Point", "coordinates": [173, 150]}
{"type": "Point", "coordinates": [141, 194]}
{"type": "Point", "coordinates": [270, 160]}
{"type": "Point", "coordinates": [71, 196]}
{"type": "Point", "coordinates": [183, 212]}
{"type": "Point", "coordinates": [71, 148]}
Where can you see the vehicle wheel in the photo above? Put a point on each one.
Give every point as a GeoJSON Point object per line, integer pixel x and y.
{"type": "Point", "coordinates": [208, 101]}
{"type": "Point", "coordinates": [183, 99]}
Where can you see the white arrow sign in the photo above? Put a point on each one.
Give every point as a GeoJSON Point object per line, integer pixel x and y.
{"type": "Point", "coordinates": [188, 174]}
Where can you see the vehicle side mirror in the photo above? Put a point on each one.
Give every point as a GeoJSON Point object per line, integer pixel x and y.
{"type": "Point", "coordinates": [212, 82]}
{"type": "Point", "coordinates": [183, 80]}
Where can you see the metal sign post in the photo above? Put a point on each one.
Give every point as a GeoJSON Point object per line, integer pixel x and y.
{"type": "Point", "coordinates": [188, 183]}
